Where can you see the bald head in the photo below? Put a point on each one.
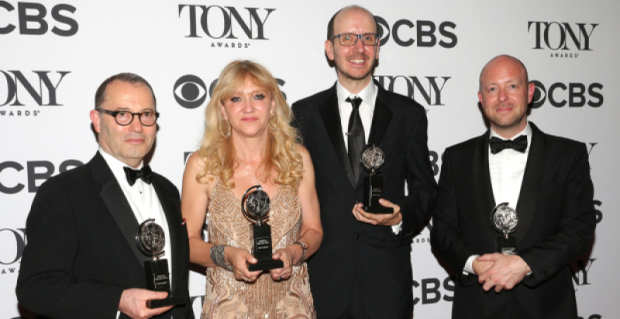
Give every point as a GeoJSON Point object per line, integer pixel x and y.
{"type": "Point", "coordinates": [502, 61]}
{"type": "Point", "coordinates": [330, 25]}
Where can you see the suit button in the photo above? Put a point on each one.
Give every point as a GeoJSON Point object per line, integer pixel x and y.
{"type": "Point", "coordinates": [356, 236]}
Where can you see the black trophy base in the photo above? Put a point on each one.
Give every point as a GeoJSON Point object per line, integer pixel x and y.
{"type": "Point", "coordinates": [158, 279]}
{"type": "Point", "coordinates": [169, 301]}
{"type": "Point", "coordinates": [266, 264]}
{"type": "Point", "coordinates": [262, 249]}
{"type": "Point", "coordinates": [507, 246]}
{"type": "Point", "coordinates": [373, 191]}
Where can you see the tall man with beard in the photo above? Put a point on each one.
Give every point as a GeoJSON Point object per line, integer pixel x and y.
{"type": "Point", "coordinates": [363, 269]}
{"type": "Point", "coordinates": [544, 177]}
{"type": "Point", "coordinates": [82, 260]}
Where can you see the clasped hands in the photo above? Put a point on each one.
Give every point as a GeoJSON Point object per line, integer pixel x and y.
{"type": "Point", "coordinates": [501, 271]}
{"type": "Point", "coordinates": [239, 258]}
{"type": "Point", "coordinates": [378, 219]}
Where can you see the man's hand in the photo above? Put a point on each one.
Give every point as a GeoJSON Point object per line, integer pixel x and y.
{"type": "Point", "coordinates": [378, 219]}
{"type": "Point", "coordinates": [133, 303]}
{"type": "Point", "coordinates": [505, 273]}
{"type": "Point", "coordinates": [481, 266]}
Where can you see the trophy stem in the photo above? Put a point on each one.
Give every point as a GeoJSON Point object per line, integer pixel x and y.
{"type": "Point", "coordinates": [506, 235]}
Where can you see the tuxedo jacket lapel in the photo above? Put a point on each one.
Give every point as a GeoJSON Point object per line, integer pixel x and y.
{"type": "Point", "coordinates": [381, 117]}
{"type": "Point", "coordinates": [117, 204]}
{"type": "Point", "coordinates": [532, 180]}
{"type": "Point", "coordinates": [482, 183]}
{"type": "Point", "coordinates": [172, 218]}
{"type": "Point", "coordinates": [331, 118]}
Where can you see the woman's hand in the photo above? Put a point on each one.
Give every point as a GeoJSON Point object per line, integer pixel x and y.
{"type": "Point", "coordinates": [286, 256]}
{"type": "Point", "coordinates": [239, 258]}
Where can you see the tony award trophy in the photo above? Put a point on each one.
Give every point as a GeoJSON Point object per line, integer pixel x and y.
{"type": "Point", "coordinates": [151, 240]}
{"type": "Point", "coordinates": [255, 206]}
{"type": "Point", "coordinates": [372, 159]}
{"type": "Point", "coordinates": [504, 219]}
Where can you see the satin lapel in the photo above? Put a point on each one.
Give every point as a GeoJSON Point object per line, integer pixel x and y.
{"type": "Point", "coordinates": [173, 219]}
{"type": "Point", "coordinates": [117, 204]}
{"type": "Point", "coordinates": [331, 118]}
{"type": "Point", "coordinates": [380, 119]}
{"type": "Point", "coordinates": [482, 183]}
{"type": "Point", "coordinates": [532, 180]}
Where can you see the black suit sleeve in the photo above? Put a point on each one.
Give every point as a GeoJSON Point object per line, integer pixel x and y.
{"type": "Point", "coordinates": [46, 284]}
{"type": "Point", "coordinates": [575, 230]}
{"type": "Point", "coordinates": [446, 235]}
{"type": "Point", "coordinates": [421, 185]}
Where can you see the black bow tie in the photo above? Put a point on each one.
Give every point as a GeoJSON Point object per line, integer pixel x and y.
{"type": "Point", "coordinates": [144, 173]}
{"type": "Point", "coordinates": [519, 144]}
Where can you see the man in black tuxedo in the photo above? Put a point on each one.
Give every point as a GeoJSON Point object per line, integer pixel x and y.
{"type": "Point", "coordinates": [544, 177]}
{"type": "Point", "coordinates": [82, 260]}
{"type": "Point", "coordinates": [363, 269]}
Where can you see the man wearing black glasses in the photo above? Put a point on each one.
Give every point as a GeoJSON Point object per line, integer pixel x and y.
{"type": "Point", "coordinates": [82, 259]}
{"type": "Point", "coordinates": [363, 269]}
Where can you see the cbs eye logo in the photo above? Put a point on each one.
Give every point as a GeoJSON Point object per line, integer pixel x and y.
{"type": "Point", "coordinates": [191, 91]}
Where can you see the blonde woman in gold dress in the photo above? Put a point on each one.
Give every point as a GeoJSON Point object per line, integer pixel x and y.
{"type": "Point", "coordinates": [248, 141]}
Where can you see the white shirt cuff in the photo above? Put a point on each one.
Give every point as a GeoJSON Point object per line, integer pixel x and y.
{"type": "Point", "coordinates": [469, 265]}
{"type": "Point", "coordinates": [397, 228]}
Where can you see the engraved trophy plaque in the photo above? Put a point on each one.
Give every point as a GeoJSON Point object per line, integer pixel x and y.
{"type": "Point", "coordinates": [372, 159]}
{"type": "Point", "coordinates": [504, 219]}
{"type": "Point", "coordinates": [255, 206]}
{"type": "Point", "coordinates": [150, 239]}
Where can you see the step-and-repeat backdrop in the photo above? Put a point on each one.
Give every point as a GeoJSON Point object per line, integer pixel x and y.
{"type": "Point", "coordinates": [54, 54]}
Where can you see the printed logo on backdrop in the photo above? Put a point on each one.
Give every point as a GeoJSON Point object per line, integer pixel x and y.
{"type": "Point", "coordinates": [581, 270]}
{"type": "Point", "coordinates": [15, 178]}
{"type": "Point", "coordinates": [573, 94]}
{"type": "Point", "coordinates": [421, 33]}
{"type": "Point", "coordinates": [12, 242]}
{"type": "Point", "coordinates": [422, 89]}
{"type": "Point", "coordinates": [562, 39]}
{"type": "Point", "coordinates": [595, 316]}
{"type": "Point", "coordinates": [191, 91]}
{"type": "Point", "coordinates": [31, 18]}
{"type": "Point", "coordinates": [26, 94]}
{"type": "Point", "coordinates": [226, 27]}
{"type": "Point", "coordinates": [433, 290]}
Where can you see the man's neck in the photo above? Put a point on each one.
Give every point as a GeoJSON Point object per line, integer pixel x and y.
{"type": "Point", "coordinates": [509, 132]}
{"type": "Point", "coordinates": [354, 86]}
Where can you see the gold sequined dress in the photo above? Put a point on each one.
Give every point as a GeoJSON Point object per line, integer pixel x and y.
{"type": "Point", "coordinates": [228, 298]}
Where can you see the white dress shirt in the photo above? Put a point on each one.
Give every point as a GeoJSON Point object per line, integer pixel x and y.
{"type": "Point", "coordinates": [506, 169]}
{"type": "Point", "coordinates": [366, 110]}
{"type": "Point", "coordinates": [143, 201]}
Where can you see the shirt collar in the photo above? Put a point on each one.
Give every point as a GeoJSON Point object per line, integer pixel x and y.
{"type": "Point", "coordinates": [116, 166]}
{"type": "Point", "coordinates": [368, 94]}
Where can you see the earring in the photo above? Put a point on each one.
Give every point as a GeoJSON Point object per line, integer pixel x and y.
{"type": "Point", "coordinates": [229, 129]}
{"type": "Point", "coordinates": [275, 128]}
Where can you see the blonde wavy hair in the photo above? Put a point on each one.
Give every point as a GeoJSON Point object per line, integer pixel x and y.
{"type": "Point", "coordinates": [217, 151]}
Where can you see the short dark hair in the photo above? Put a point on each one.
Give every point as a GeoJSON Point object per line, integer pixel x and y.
{"type": "Point", "coordinates": [123, 77]}
{"type": "Point", "coordinates": [330, 25]}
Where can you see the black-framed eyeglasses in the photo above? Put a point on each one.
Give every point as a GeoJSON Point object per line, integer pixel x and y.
{"type": "Point", "coordinates": [124, 118]}
{"type": "Point", "coordinates": [350, 39]}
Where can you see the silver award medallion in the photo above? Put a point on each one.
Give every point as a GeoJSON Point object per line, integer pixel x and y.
{"type": "Point", "coordinates": [151, 238]}
{"type": "Point", "coordinates": [505, 219]}
{"type": "Point", "coordinates": [257, 204]}
{"type": "Point", "coordinates": [372, 157]}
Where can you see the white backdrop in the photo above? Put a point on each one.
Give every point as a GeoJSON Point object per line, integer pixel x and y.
{"type": "Point", "coordinates": [54, 54]}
